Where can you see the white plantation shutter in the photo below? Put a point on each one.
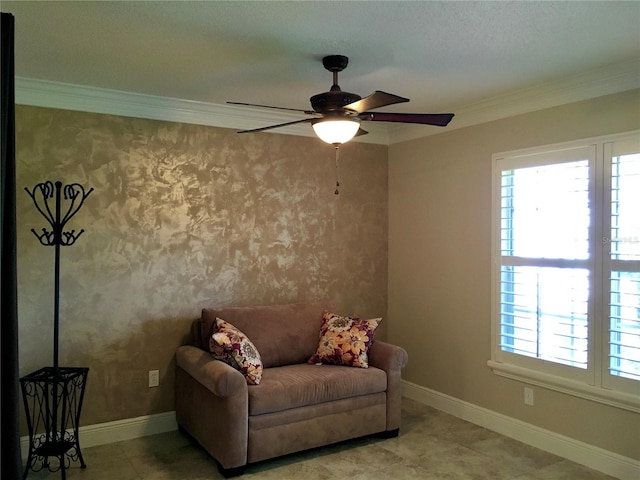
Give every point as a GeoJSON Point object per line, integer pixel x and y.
{"type": "Point", "coordinates": [544, 238]}
{"type": "Point", "coordinates": [545, 211]}
{"type": "Point", "coordinates": [624, 304]}
{"type": "Point", "coordinates": [544, 314]}
{"type": "Point", "coordinates": [566, 268]}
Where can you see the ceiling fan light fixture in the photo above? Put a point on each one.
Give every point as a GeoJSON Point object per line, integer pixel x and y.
{"type": "Point", "coordinates": [336, 130]}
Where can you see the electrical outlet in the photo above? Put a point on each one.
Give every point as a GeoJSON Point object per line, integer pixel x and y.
{"type": "Point", "coordinates": [154, 378]}
{"type": "Point", "coordinates": [528, 396]}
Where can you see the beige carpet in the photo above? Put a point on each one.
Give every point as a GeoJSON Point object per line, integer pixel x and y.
{"type": "Point", "coordinates": [431, 445]}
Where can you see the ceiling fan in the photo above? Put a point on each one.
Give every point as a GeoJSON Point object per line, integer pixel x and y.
{"type": "Point", "coordinates": [336, 114]}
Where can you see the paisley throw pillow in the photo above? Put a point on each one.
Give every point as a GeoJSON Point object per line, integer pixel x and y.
{"type": "Point", "coordinates": [231, 346]}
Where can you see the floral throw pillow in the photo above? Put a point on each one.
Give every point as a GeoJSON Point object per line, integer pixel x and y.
{"type": "Point", "coordinates": [345, 340]}
{"type": "Point", "coordinates": [231, 346]}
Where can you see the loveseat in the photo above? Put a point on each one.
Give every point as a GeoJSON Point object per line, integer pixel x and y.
{"type": "Point", "coordinates": [296, 405]}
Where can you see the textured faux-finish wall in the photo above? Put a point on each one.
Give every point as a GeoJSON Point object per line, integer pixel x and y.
{"type": "Point", "coordinates": [440, 265]}
{"type": "Point", "coordinates": [183, 217]}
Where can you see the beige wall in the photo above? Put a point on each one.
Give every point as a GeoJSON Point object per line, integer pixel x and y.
{"type": "Point", "coordinates": [439, 265]}
{"type": "Point", "coordinates": [184, 217]}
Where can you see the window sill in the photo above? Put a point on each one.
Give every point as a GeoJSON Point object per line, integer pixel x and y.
{"type": "Point", "coordinates": [625, 401]}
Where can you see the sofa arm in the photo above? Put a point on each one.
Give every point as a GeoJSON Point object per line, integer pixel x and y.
{"type": "Point", "coordinates": [212, 405]}
{"type": "Point", "coordinates": [387, 357]}
{"type": "Point", "coordinates": [219, 378]}
{"type": "Point", "coordinates": [391, 359]}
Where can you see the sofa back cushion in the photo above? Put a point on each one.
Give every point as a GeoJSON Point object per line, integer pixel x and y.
{"type": "Point", "coordinates": [282, 334]}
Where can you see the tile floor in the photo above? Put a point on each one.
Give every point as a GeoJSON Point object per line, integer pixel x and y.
{"type": "Point", "coordinates": [431, 445]}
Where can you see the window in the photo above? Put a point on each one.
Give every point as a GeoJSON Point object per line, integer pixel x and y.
{"type": "Point", "coordinates": [566, 268]}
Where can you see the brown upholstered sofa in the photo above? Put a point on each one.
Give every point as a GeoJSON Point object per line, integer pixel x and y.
{"type": "Point", "coordinates": [297, 405]}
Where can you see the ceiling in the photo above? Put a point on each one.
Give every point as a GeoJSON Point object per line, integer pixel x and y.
{"type": "Point", "coordinates": [445, 56]}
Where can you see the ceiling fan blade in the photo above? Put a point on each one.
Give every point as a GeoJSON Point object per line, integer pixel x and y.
{"type": "Point", "coordinates": [376, 100]}
{"type": "Point", "coordinates": [306, 120]}
{"type": "Point", "coordinates": [308, 112]}
{"type": "Point", "coordinates": [360, 132]}
{"type": "Point", "coordinates": [437, 119]}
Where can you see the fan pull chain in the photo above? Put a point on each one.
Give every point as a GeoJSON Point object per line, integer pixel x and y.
{"type": "Point", "coordinates": [337, 192]}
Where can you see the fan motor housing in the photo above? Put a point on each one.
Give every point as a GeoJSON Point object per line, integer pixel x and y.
{"type": "Point", "coordinates": [335, 63]}
{"type": "Point", "coordinates": [329, 102]}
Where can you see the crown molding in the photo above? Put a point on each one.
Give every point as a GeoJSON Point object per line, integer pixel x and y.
{"type": "Point", "coordinates": [593, 83]}
{"type": "Point", "coordinates": [67, 96]}
{"type": "Point", "coordinates": [605, 80]}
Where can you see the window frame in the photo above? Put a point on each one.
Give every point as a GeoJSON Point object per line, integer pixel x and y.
{"type": "Point", "coordinates": [595, 382]}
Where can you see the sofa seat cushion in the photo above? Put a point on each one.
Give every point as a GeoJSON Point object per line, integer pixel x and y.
{"type": "Point", "coordinates": [293, 386]}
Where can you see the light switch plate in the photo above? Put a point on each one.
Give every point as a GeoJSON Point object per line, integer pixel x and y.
{"type": "Point", "coordinates": [154, 378]}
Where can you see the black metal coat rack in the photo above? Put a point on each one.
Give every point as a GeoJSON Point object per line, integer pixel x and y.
{"type": "Point", "coordinates": [53, 395]}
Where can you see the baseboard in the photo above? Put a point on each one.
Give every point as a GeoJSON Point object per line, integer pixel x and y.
{"type": "Point", "coordinates": [119, 430]}
{"type": "Point", "coordinates": [593, 457]}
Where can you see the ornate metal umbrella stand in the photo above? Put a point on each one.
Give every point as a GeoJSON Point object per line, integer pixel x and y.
{"type": "Point", "coordinates": [53, 395]}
